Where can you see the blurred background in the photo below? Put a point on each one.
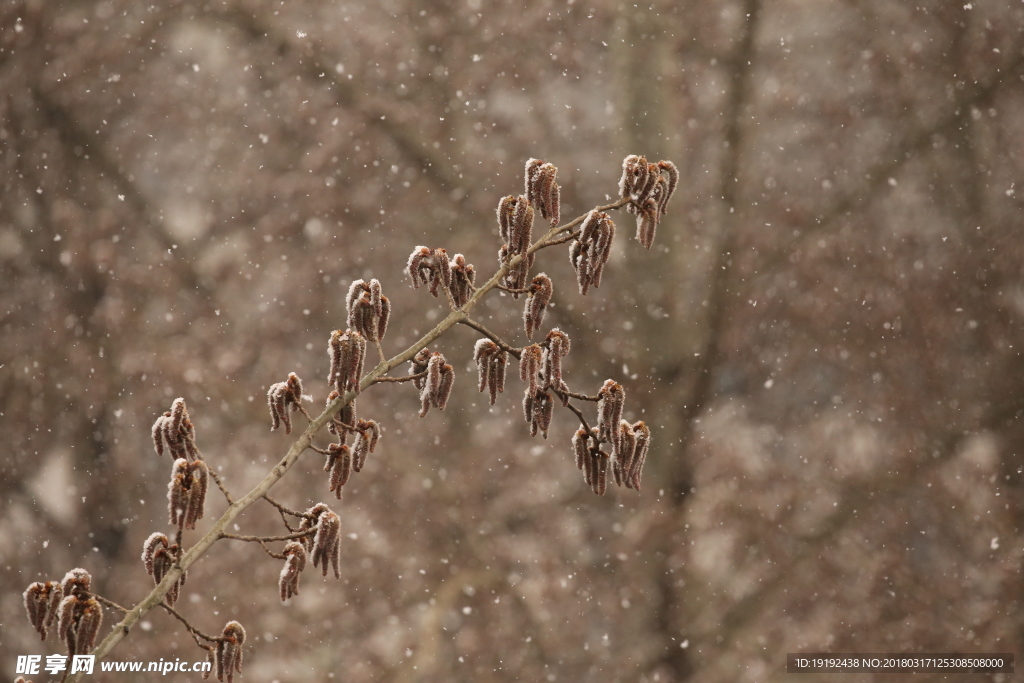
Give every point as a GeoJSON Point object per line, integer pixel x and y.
{"type": "Point", "coordinates": [825, 337]}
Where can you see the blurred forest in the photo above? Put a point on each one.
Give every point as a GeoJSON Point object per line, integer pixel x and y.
{"type": "Point", "coordinates": [825, 337]}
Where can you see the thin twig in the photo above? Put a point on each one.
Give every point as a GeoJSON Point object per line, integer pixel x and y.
{"type": "Point", "coordinates": [261, 539]}
{"type": "Point", "coordinates": [512, 290]}
{"type": "Point", "coordinates": [563, 239]}
{"type": "Point", "coordinates": [582, 397]}
{"type": "Point", "coordinates": [511, 350]}
{"type": "Point", "coordinates": [270, 552]}
{"type": "Point", "coordinates": [109, 603]}
{"type": "Point", "coordinates": [191, 629]}
{"type": "Point", "coordinates": [284, 518]}
{"type": "Point", "coordinates": [407, 378]}
{"type": "Point", "coordinates": [574, 409]}
{"type": "Point", "coordinates": [283, 509]}
{"type": "Point", "coordinates": [221, 486]}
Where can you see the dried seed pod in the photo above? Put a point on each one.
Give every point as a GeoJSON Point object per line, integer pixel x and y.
{"type": "Point", "coordinates": [556, 347]}
{"type": "Point", "coordinates": [42, 601]}
{"type": "Point", "coordinates": [463, 277]}
{"type": "Point", "coordinates": [660, 196]}
{"type": "Point", "coordinates": [88, 626]}
{"type": "Point", "coordinates": [355, 292]}
{"type": "Point", "coordinates": [601, 484]}
{"type": "Point", "coordinates": [515, 278]}
{"type": "Point", "coordinates": [295, 562]}
{"type": "Point", "coordinates": [430, 267]}
{"type": "Point", "coordinates": [377, 297]}
{"type": "Point", "coordinates": [623, 455]}
{"type": "Point", "coordinates": [76, 582]}
{"type": "Point", "coordinates": [442, 271]}
{"type": "Point", "coordinates": [643, 442]}
{"type": "Point", "coordinates": [175, 430]}
{"type": "Point", "coordinates": [327, 542]}
{"type": "Point", "coordinates": [432, 384]}
{"type": "Point", "coordinates": [367, 436]}
{"type": "Point", "coordinates": [483, 351]}
{"type": "Point", "coordinates": [158, 433]}
{"type": "Point", "coordinates": [649, 188]}
{"type": "Point", "coordinates": [491, 362]}
{"type": "Point", "coordinates": [437, 385]}
{"type": "Point", "coordinates": [283, 399]}
{"type": "Point", "coordinates": [580, 260]}
{"type": "Point", "coordinates": [521, 228]}
{"type": "Point", "coordinates": [530, 364]}
{"type": "Point", "coordinates": [419, 266]}
{"type": "Point", "coordinates": [537, 300]}
{"type": "Point", "coordinates": [647, 223]}
{"type": "Point", "coordinates": [634, 175]}
{"type": "Point", "coordinates": [506, 207]}
{"type": "Point", "coordinates": [592, 474]}
{"type": "Point", "coordinates": [186, 493]}
{"type": "Point", "coordinates": [340, 462]}
{"type": "Point", "coordinates": [347, 351]}
{"type": "Point", "coordinates": [672, 173]}
{"type": "Point", "coordinates": [310, 520]}
{"type": "Point", "coordinates": [602, 249]}
{"type": "Point", "coordinates": [228, 656]}
{"type": "Point", "coordinates": [368, 309]}
{"type": "Point", "coordinates": [581, 447]}
{"type": "Point", "coordinates": [591, 250]}
{"type": "Point", "coordinates": [611, 398]}
{"type": "Point", "coordinates": [541, 189]}
{"type": "Point", "coordinates": [80, 616]}
{"type": "Point", "coordinates": [496, 375]}
{"type": "Point", "coordinates": [155, 541]}
{"type": "Point", "coordinates": [418, 365]}
{"type": "Point", "coordinates": [530, 177]}
{"type": "Point", "coordinates": [539, 409]}
{"type": "Point", "coordinates": [159, 556]}
{"type": "Point", "coordinates": [445, 389]}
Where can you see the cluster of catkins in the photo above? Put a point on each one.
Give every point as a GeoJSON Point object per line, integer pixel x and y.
{"type": "Point", "coordinates": [69, 602]}
{"type": "Point", "coordinates": [431, 267]}
{"type": "Point", "coordinates": [284, 398]}
{"type": "Point", "coordinates": [186, 493]}
{"type": "Point", "coordinates": [435, 380]}
{"type": "Point", "coordinates": [348, 351]}
{"type": "Point", "coordinates": [158, 556]}
{"type": "Point", "coordinates": [515, 220]}
{"type": "Point", "coordinates": [368, 309]}
{"type": "Point", "coordinates": [322, 543]}
{"type": "Point", "coordinates": [591, 249]}
{"type": "Point", "coordinates": [629, 444]}
{"type": "Point", "coordinates": [343, 460]}
{"type": "Point", "coordinates": [649, 187]}
{"type": "Point", "coordinates": [324, 546]}
{"type": "Point", "coordinates": [226, 653]}
{"type": "Point", "coordinates": [540, 366]}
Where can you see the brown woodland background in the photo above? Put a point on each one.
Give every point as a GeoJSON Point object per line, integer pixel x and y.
{"type": "Point", "coordinates": [825, 337]}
